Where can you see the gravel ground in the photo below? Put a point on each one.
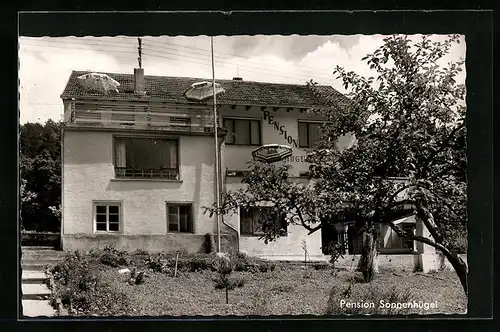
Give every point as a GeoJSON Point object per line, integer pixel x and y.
{"type": "Point", "coordinates": [284, 291]}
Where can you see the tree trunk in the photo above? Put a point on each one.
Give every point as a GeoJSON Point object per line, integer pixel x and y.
{"type": "Point", "coordinates": [227, 296]}
{"type": "Point", "coordinates": [368, 261]}
{"type": "Point", "coordinates": [460, 268]}
{"type": "Point", "coordinates": [455, 260]}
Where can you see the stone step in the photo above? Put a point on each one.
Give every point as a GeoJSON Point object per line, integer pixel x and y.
{"type": "Point", "coordinates": [38, 248]}
{"type": "Point", "coordinates": [34, 266]}
{"type": "Point", "coordinates": [35, 291]}
{"type": "Point", "coordinates": [42, 253]}
{"type": "Point", "coordinates": [42, 261]}
{"type": "Point", "coordinates": [34, 277]}
{"type": "Point", "coordinates": [36, 308]}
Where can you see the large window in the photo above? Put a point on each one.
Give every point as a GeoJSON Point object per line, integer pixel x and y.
{"type": "Point", "coordinates": [309, 134]}
{"type": "Point", "coordinates": [107, 217]}
{"type": "Point", "coordinates": [146, 158]}
{"type": "Point", "coordinates": [179, 218]}
{"type": "Point", "coordinates": [393, 241]}
{"type": "Point", "coordinates": [242, 131]}
{"type": "Point", "coordinates": [251, 220]}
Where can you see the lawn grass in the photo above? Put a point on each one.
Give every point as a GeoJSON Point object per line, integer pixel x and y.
{"type": "Point", "coordinates": [285, 291]}
{"type": "Point", "coordinates": [267, 288]}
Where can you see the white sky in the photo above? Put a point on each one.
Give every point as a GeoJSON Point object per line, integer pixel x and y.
{"type": "Point", "coordinates": [46, 63]}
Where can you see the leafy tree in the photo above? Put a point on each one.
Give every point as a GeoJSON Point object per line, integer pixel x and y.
{"type": "Point", "coordinates": [40, 166]}
{"type": "Point", "coordinates": [408, 155]}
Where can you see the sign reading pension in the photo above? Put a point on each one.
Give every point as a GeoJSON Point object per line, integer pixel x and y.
{"type": "Point", "coordinates": [280, 128]}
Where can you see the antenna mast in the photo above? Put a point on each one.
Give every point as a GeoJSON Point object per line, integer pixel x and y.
{"type": "Point", "coordinates": [139, 51]}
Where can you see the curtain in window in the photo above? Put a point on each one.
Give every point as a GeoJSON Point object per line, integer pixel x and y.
{"type": "Point", "coordinates": [172, 148]}
{"type": "Point", "coordinates": [120, 153]}
{"type": "Point", "coordinates": [242, 132]}
{"type": "Point", "coordinates": [314, 134]}
{"type": "Point", "coordinates": [303, 134]}
{"type": "Point", "coordinates": [229, 125]}
{"type": "Point", "coordinates": [254, 133]}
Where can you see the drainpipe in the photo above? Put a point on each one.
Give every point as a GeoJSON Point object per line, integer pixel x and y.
{"type": "Point", "coordinates": [226, 224]}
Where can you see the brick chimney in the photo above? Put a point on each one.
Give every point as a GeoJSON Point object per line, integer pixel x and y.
{"type": "Point", "coordinates": [139, 85]}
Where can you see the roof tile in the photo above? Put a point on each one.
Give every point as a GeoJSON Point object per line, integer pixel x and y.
{"type": "Point", "coordinates": [171, 89]}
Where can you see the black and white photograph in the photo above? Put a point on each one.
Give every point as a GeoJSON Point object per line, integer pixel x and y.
{"type": "Point", "coordinates": [243, 175]}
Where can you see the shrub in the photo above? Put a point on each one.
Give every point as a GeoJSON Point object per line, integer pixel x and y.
{"type": "Point", "coordinates": [112, 257]}
{"type": "Point", "coordinates": [224, 265]}
{"type": "Point", "coordinates": [75, 270]}
{"type": "Point", "coordinates": [208, 243]}
{"type": "Point", "coordinates": [78, 285]}
{"type": "Point", "coordinates": [155, 264]}
{"type": "Point", "coordinates": [199, 264]}
{"type": "Point", "coordinates": [367, 294]}
{"type": "Point", "coordinates": [244, 263]}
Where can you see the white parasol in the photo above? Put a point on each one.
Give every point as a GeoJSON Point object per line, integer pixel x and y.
{"type": "Point", "coordinates": [202, 90]}
{"type": "Point", "coordinates": [96, 82]}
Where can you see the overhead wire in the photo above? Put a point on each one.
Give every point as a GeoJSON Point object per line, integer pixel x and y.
{"type": "Point", "coordinates": [121, 48]}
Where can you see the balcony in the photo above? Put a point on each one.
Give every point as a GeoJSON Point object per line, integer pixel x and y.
{"type": "Point", "coordinates": [163, 174]}
{"type": "Point", "coordinates": [159, 116]}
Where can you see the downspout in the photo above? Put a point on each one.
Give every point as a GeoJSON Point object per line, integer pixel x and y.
{"type": "Point", "coordinates": [223, 221]}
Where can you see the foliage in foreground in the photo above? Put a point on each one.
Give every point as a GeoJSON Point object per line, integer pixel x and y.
{"type": "Point", "coordinates": [224, 266]}
{"type": "Point", "coordinates": [79, 285]}
{"type": "Point", "coordinates": [82, 291]}
{"type": "Point", "coordinates": [396, 148]}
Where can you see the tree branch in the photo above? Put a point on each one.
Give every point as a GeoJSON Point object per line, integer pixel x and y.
{"type": "Point", "coordinates": [428, 220]}
{"type": "Point", "coordinates": [422, 239]}
{"type": "Point", "coordinates": [302, 221]}
{"type": "Point", "coordinates": [314, 229]}
{"type": "Point", "coordinates": [391, 198]}
{"type": "Point", "coordinates": [428, 161]}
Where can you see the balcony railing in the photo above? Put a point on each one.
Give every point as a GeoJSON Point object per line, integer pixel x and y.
{"type": "Point", "coordinates": [173, 117]}
{"type": "Point", "coordinates": [162, 173]}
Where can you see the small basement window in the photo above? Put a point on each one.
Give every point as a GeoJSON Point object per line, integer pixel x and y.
{"type": "Point", "coordinates": [179, 218]}
{"type": "Point", "coordinates": [107, 217]}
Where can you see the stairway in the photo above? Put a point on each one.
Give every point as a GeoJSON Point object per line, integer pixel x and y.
{"type": "Point", "coordinates": [35, 293]}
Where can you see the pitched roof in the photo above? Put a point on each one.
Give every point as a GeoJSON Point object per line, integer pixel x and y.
{"type": "Point", "coordinates": [171, 89]}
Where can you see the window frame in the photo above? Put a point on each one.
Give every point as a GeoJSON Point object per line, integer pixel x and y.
{"type": "Point", "coordinates": [157, 138]}
{"type": "Point", "coordinates": [254, 233]}
{"type": "Point", "coordinates": [249, 120]}
{"type": "Point", "coordinates": [307, 123]}
{"type": "Point", "coordinates": [405, 240]}
{"type": "Point", "coordinates": [118, 204]}
{"type": "Point", "coordinates": [191, 223]}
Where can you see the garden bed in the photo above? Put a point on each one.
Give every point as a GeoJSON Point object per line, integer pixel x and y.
{"type": "Point", "coordinates": [265, 288]}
